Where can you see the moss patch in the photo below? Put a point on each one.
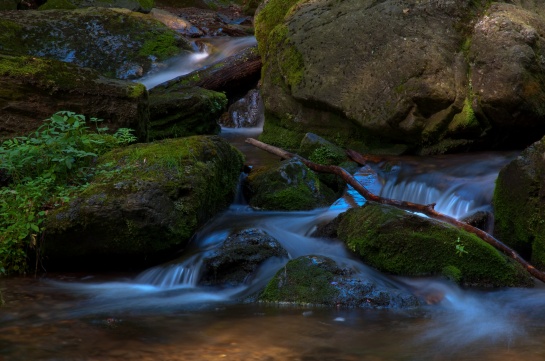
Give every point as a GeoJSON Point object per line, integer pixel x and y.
{"type": "Point", "coordinates": [305, 280]}
{"type": "Point", "coordinates": [401, 243]}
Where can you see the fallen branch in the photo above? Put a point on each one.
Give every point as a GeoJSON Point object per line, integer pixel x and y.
{"type": "Point", "coordinates": [427, 209]}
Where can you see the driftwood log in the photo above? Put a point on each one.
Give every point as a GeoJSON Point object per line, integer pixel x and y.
{"type": "Point", "coordinates": [427, 209]}
{"type": "Point", "coordinates": [234, 75]}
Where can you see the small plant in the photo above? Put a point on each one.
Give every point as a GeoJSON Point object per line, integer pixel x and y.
{"type": "Point", "coordinates": [460, 249]}
{"type": "Point", "coordinates": [46, 168]}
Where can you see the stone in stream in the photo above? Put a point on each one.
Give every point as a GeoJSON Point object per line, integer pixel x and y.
{"type": "Point", "coordinates": [145, 205]}
{"type": "Point", "coordinates": [235, 261]}
{"type": "Point", "coordinates": [405, 244]}
{"type": "Point", "coordinates": [318, 280]}
{"type": "Point", "coordinates": [519, 204]}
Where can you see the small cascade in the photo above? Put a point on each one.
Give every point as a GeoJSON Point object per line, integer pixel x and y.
{"type": "Point", "coordinates": [207, 52]}
{"type": "Point", "coordinates": [459, 185]}
{"type": "Point", "coordinates": [172, 275]}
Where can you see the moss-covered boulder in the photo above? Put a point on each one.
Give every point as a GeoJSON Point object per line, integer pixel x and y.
{"type": "Point", "coordinates": [236, 260]}
{"type": "Point", "coordinates": [318, 280]}
{"type": "Point", "coordinates": [405, 244]}
{"type": "Point", "coordinates": [31, 89]}
{"type": "Point", "coordinates": [143, 6]}
{"type": "Point", "coordinates": [146, 203]}
{"type": "Point", "coordinates": [118, 42]}
{"type": "Point", "coordinates": [424, 74]}
{"type": "Point", "coordinates": [186, 111]}
{"type": "Point", "coordinates": [289, 185]}
{"type": "Point", "coordinates": [519, 204]}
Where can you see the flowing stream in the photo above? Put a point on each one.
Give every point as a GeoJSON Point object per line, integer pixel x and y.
{"type": "Point", "coordinates": [163, 314]}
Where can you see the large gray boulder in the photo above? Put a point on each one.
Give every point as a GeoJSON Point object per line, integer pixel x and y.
{"type": "Point", "coordinates": [435, 76]}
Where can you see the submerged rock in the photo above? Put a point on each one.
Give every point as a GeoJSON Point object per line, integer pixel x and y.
{"type": "Point", "coordinates": [235, 261]}
{"type": "Point", "coordinates": [434, 76]}
{"type": "Point", "coordinates": [318, 280]}
{"type": "Point", "coordinates": [288, 186]}
{"type": "Point", "coordinates": [146, 203]}
{"type": "Point", "coordinates": [519, 204]}
{"type": "Point", "coordinates": [405, 244]}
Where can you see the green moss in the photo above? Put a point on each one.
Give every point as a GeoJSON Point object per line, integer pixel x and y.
{"type": "Point", "coordinates": [269, 17]}
{"type": "Point", "coordinates": [290, 60]}
{"type": "Point", "coordinates": [146, 5]}
{"type": "Point", "coordinates": [401, 243]}
{"type": "Point", "coordinates": [452, 273]}
{"type": "Point", "coordinates": [302, 281]}
{"type": "Point", "coordinates": [47, 72]}
{"type": "Point", "coordinates": [137, 90]}
{"type": "Point", "coordinates": [10, 36]}
{"type": "Point", "coordinates": [277, 135]}
{"type": "Point", "coordinates": [162, 46]}
{"type": "Point", "coordinates": [465, 121]}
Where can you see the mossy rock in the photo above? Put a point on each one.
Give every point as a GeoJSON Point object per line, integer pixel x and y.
{"type": "Point", "coordinates": [320, 151]}
{"type": "Point", "coordinates": [143, 6]}
{"type": "Point", "coordinates": [118, 43]}
{"type": "Point", "coordinates": [519, 206]}
{"type": "Point", "coordinates": [146, 203]}
{"type": "Point", "coordinates": [318, 280]}
{"type": "Point", "coordinates": [188, 111]}
{"type": "Point", "coordinates": [288, 186]}
{"type": "Point", "coordinates": [401, 243]}
{"type": "Point", "coordinates": [31, 89]}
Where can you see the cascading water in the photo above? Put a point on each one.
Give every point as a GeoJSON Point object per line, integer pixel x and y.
{"type": "Point", "coordinates": [459, 185]}
{"type": "Point", "coordinates": [163, 313]}
{"type": "Point", "coordinates": [213, 50]}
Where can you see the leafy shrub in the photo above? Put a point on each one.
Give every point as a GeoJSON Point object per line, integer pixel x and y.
{"type": "Point", "coordinates": [45, 169]}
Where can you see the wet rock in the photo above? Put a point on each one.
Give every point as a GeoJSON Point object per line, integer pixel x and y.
{"type": "Point", "coordinates": [424, 76]}
{"type": "Point", "coordinates": [519, 204]}
{"type": "Point", "coordinates": [402, 243]}
{"type": "Point", "coordinates": [318, 280]}
{"type": "Point", "coordinates": [186, 111]}
{"type": "Point", "coordinates": [289, 185]}
{"type": "Point", "coordinates": [118, 43]}
{"type": "Point", "coordinates": [147, 203]}
{"type": "Point", "coordinates": [235, 261]}
{"type": "Point", "coordinates": [246, 112]}
{"type": "Point", "coordinates": [34, 89]}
